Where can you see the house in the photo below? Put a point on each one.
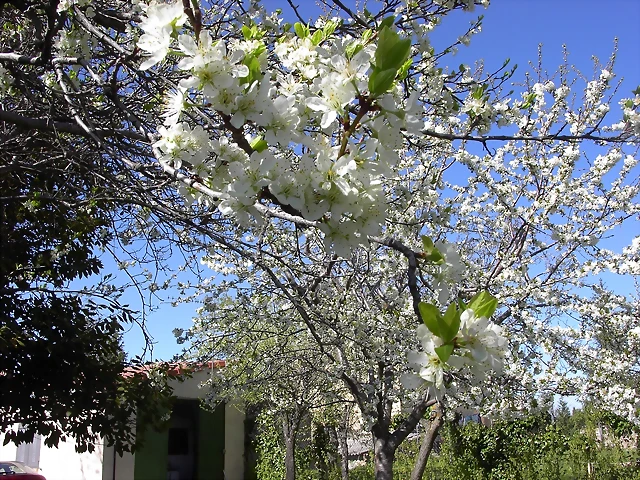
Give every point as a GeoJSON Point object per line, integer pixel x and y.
{"type": "Point", "coordinates": [198, 445]}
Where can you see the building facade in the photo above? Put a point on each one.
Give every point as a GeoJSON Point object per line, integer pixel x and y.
{"type": "Point", "coordinates": [198, 445]}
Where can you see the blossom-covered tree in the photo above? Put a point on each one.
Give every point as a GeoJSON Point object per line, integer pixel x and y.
{"type": "Point", "coordinates": [349, 187]}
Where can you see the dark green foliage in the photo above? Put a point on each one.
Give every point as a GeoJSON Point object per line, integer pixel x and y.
{"type": "Point", "coordinates": [508, 450]}
{"type": "Point", "coordinates": [537, 447]}
{"type": "Point", "coordinates": [61, 360]}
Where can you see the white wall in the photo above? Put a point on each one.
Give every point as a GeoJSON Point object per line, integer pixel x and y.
{"type": "Point", "coordinates": [124, 465]}
{"type": "Point", "coordinates": [64, 463]}
{"type": "Point", "coordinates": [190, 388]}
{"type": "Point", "coordinates": [233, 442]}
{"type": "Point", "coordinates": [8, 451]}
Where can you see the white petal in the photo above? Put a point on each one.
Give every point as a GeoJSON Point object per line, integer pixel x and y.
{"type": "Point", "coordinates": [410, 381]}
{"type": "Point", "coordinates": [317, 104]}
{"type": "Point", "coordinates": [423, 331]}
{"type": "Point", "coordinates": [457, 362]}
{"type": "Point", "coordinates": [417, 358]}
{"type": "Point", "coordinates": [241, 71]}
{"type": "Point", "coordinates": [188, 45]}
{"type": "Point", "coordinates": [327, 118]}
{"type": "Point", "coordinates": [342, 185]}
{"type": "Point", "coordinates": [149, 62]}
{"type": "Point", "coordinates": [238, 119]}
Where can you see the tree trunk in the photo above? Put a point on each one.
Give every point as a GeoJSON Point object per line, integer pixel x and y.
{"type": "Point", "coordinates": [343, 448]}
{"type": "Point", "coordinates": [289, 430]}
{"type": "Point", "coordinates": [321, 440]}
{"type": "Point", "coordinates": [383, 460]}
{"type": "Point", "coordinates": [435, 423]}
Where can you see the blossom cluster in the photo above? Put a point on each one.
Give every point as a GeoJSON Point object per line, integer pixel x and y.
{"type": "Point", "coordinates": [316, 102]}
{"type": "Point", "coordinates": [67, 4]}
{"type": "Point", "coordinates": [480, 346]}
{"type": "Point", "coordinates": [631, 109]}
{"type": "Point", "coordinates": [71, 43]}
{"type": "Point", "coordinates": [159, 25]}
{"type": "Point", "coordinates": [317, 122]}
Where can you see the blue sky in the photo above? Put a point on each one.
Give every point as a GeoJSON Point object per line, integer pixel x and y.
{"type": "Point", "coordinates": [512, 29]}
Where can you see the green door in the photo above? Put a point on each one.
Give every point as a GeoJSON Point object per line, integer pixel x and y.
{"type": "Point", "coordinates": [211, 444]}
{"type": "Point", "coordinates": [151, 459]}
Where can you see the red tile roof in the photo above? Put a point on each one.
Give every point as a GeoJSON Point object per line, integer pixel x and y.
{"type": "Point", "coordinates": [174, 368]}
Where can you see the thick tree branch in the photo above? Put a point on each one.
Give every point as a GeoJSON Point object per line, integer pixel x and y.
{"type": "Point", "coordinates": [410, 423]}
{"type": "Point", "coordinates": [50, 125]}
{"type": "Point", "coordinates": [412, 279]}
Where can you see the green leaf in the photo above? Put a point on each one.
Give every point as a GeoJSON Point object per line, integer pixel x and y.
{"type": "Point", "coordinates": [255, 71]}
{"type": "Point", "coordinates": [387, 39]}
{"type": "Point", "coordinates": [256, 33]}
{"type": "Point", "coordinates": [300, 30]}
{"type": "Point", "coordinates": [400, 52]}
{"type": "Point", "coordinates": [391, 52]}
{"type": "Point", "coordinates": [387, 22]}
{"type": "Point", "coordinates": [431, 317]}
{"type": "Point", "coordinates": [366, 35]}
{"type": "Point", "coordinates": [431, 253]}
{"type": "Point", "coordinates": [246, 32]}
{"type": "Point", "coordinates": [529, 99]}
{"type": "Point", "coordinates": [461, 305]}
{"type": "Point", "coordinates": [483, 304]}
{"type": "Point", "coordinates": [329, 28]}
{"type": "Point", "coordinates": [427, 243]}
{"type": "Point", "coordinates": [450, 323]}
{"type": "Point", "coordinates": [404, 69]}
{"type": "Point", "coordinates": [434, 256]}
{"type": "Point", "coordinates": [444, 352]}
{"type": "Point", "coordinates": [352, 49]}
{"type": "Point", "coordinates": [317, 37]}
{"type": "Point", "coordinates": [478, 92]}
{"type": "Point", "coordinates": [259, 144]}
{"type": "Point", "coordinates": [259, 50]}
{"type": "Point", "coordinates": [380, 81]}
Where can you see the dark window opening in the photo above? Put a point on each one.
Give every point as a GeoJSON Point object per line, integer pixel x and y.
{"type": "Point", "coordinates": [178, 441]}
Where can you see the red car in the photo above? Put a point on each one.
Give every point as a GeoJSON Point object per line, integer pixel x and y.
{"type": "Point", "coordinates": [18, 471]}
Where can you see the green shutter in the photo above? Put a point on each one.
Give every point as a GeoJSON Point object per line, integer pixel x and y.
{"type": "Point", "coordinates": [151, 460]}
{"type": "Point", "coordinates": [211, 444]}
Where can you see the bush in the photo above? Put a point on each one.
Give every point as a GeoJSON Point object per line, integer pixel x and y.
{"type": "Point", "coordinates": [536, 447]}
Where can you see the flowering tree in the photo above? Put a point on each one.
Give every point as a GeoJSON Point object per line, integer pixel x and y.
{"type": "Point", "coordinates": [349, 187]}
{"type": "Point", "coordinates": [274, 367]}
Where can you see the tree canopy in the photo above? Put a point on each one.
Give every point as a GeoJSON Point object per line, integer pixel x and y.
{"type": "Point", "coordinates": [62, 202]}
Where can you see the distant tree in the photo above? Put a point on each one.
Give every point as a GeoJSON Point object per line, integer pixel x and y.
{"type": "Point", "coordinates": [562, 414]}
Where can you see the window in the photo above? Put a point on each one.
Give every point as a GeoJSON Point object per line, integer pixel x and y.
{"type": "Point", "coordinates": [178, 441]}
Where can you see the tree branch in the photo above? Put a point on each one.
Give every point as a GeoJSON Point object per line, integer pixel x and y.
{"type": "Point", "coordinates": [412, 279]}
{"type": "Point", "coordinates": [50, 125]}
